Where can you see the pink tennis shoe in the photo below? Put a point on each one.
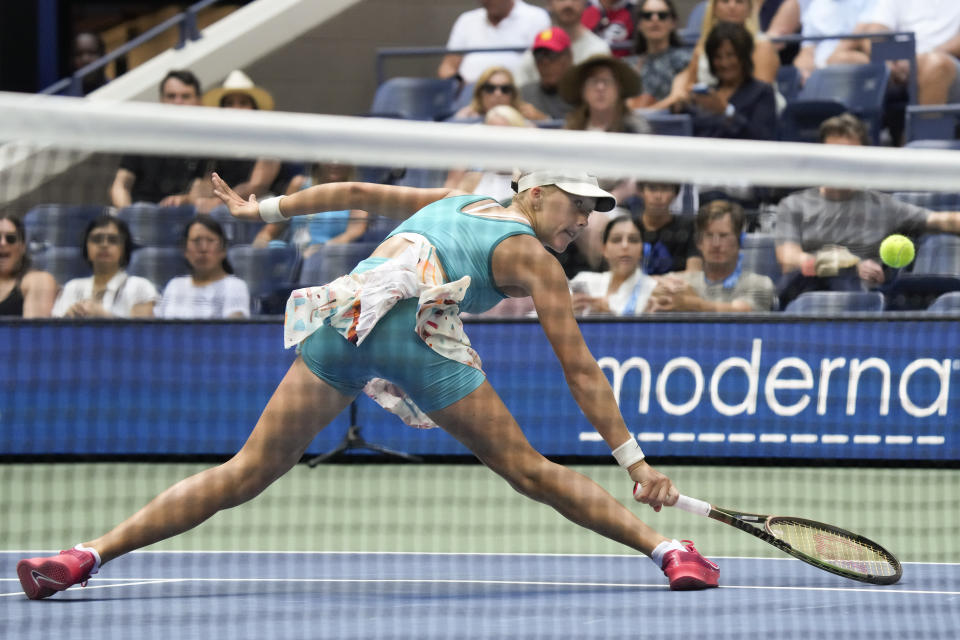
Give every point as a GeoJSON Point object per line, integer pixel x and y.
{"type": "Point", "coordinates": [688, 570]}
{"type": "Point", "coordinates": [43, 577]}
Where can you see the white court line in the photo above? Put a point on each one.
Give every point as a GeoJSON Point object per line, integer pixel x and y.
{"type": "Point", "coordinates": [423, 553]}
{"type": "Point", "coordinates": [532, 583]}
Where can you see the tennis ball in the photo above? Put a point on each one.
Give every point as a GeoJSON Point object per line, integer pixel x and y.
{"type": "Point", "coordinates": [896, 251]}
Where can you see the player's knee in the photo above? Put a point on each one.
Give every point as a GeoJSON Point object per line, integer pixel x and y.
{"type": "Point", "coordinates": [532, 478]}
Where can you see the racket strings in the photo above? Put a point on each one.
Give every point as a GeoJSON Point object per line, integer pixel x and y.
{"type": "Point", "coordinates": [834, 548]}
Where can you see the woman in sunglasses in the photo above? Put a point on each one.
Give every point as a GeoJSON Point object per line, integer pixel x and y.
{"type": "Point", "coordinates": [496, 86]}
{"type": "Point", "coordinates": [24, 291]}
{"type": "Point", "coordinates": [658, 54]}
{"type": "Point", "coordinates": [110, 292]}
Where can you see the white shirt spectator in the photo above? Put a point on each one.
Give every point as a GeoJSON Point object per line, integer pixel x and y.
{"type": "Point", "coordinates": [586, 45]}
{"type": "Point", "coordinates": [933, 21]}
{"type": "Point", "coordinates": [473, 30]}
{"type": "Point", "coordinates": [829, 17]}
{"type": "Point", "coordinates": [122, 294]}
{"type": "Point", "coordinates": [630, 298]}
{"type": "Point", "coordinates": [183, 300]}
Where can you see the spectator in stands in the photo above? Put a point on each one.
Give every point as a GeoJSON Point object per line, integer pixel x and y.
{"type": "Point", "coordinates": [936, 25]}
{"type": "Point", "coordinates": [599, 88]}
{"type": "Point", "coordinates": [583, 43]}
{"type": "Point", "coordinates": [309, 233]}
{"type": "Point", "coordinates": [816, 18]}
{"type": "Point", "coordinates": [498, 23]}
{"type": "Point", "coordinates": [551, 52]}
{"type": "Point", "coordinates": [658, 55]}
{"type": "Point", "coordinates": [24, 292]}
{"type": "Point", "coordinates": [496, 184]}
{"type": "Point", "coordinates": [210, 291]}
{"type": "Point", "coordinates": [829, 238]}
{"type": "Point", "coordinates": [252, 177]}
{"type": "Point", "coordinates": [612, 20]}
{"type": "Point", "coordinates": [766, 60]}
{"type": "Point", "coordinates": [157, 179]}
{"type": "Point", "coordinates": [110, 292]}
{"type": "Point", "coordinates": [722, 286]}
{"type": "Point", "coordinates": [88, 48]}
{"type": "Point", "coordinates": [739, 105]}
{"type": "Point", "coordinates": [669, 239]}
{"type": "Point", "coordinates": [495, 86]}
{"type": "Point", "coordinates": [623, 289]}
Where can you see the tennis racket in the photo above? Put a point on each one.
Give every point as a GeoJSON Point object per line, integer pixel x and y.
{"type": "Point", "coordinates": [822, 545]}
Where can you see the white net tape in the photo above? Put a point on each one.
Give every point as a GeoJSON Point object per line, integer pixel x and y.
{"type": "Point", "coordinates": [70, 123]}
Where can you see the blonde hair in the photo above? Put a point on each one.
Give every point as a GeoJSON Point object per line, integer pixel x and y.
{"type": "Point", "coordinates": [476, 103]}
{"type": "Point", "coordinates": [752, 22]}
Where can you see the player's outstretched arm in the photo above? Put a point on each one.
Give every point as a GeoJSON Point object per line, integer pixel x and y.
{"type": "Point", "coordinates": [520, 264]}
{"type": "Point", "coordinates": [386, 200]}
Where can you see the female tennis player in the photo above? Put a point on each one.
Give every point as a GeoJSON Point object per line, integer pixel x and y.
{"type": "Point", "coordinates": [377, 329]}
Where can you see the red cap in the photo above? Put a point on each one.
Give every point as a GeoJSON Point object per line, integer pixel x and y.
{"type": "Point", "coordinates": [555, 39]}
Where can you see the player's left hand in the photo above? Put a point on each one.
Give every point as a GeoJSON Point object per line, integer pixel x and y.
{"type": "Point", "coordinates": [239, 208]}
{"type": "Point", "coordinates": [655, 488]}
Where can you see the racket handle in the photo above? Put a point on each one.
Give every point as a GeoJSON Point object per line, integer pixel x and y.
{"type": "Point", "coordinates": [692, 505]}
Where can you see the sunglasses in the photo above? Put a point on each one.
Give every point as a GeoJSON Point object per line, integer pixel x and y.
{"type": "Point", "coordinates": [506, 89]}
{"type": "Point", "coordinates": [101, 238]}
{"type": "Point", "coordinates": [10, 238]}
{"type": "Point", "coordinates": [661, 15]}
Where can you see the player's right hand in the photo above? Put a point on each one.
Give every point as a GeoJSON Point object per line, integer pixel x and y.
{"type": "Point", "coordinates": [652, 488]}
{"type": "Point", "coordinates": [239, 208]}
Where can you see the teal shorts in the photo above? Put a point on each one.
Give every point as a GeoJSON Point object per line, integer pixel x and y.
{"type": "Point", "coordinates": [392, 351]}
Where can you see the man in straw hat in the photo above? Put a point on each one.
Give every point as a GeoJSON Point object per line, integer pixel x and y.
{"type": "Point", "coordinates": [239, 92]}
{"type": "Point", "coordinates": [261, 176]}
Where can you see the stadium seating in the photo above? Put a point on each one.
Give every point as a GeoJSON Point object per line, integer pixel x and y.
{"type": "Point", "coordinates": [690, 33]}
{"type": "Point", "coordinates": [333, 261]}
{"type": "Point", "coordinates": [935, 200]}
{"type": "Point", "coordinates": [830, 91]}
{"type": "Point", "coordinates": [789, 82]}
{"type": "Point", "coordinates": [378, 228]}
{"type": "Point", "coordinates": [947, 303]}
{"type": "Point", "coordinates": [933, 122]}
{"type": "Point", "coordinates": [155, 226]}
{"type": "Point", "coordinates": [759, 251]}
{"type": "Point", "coordinates": [669, 124]}
{"type": "Point", "coordinates": [236, 231]}
{"type": "Point", "coordinates": [915, 292]}
{"type": "Point", "coordinates": [270, 274]}
{"type": "Point", "coordinates": [833, 302]}
{"type": "Point", "coordinates": [938, 254]}
{"type": "Point", "coordinates": [414, 98]}
{"type": "Point", "coordinates": [58, 225]}
{"type": "Point", "coordinates": [64, 263]}
{"type": "Point", "coordinates": [158, 264]}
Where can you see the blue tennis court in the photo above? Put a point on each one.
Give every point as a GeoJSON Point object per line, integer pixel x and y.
{"type": "Point", "coordinates": [203, 595]}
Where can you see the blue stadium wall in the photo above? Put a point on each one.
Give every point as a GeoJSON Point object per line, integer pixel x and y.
{"type": "Point", "coordinates": [839, 389]}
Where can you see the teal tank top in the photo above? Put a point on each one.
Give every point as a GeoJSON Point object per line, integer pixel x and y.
{"type": "Point", "coordinates": [465, 244]}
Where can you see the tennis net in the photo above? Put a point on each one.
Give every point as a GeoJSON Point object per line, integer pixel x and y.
{"type": "Point", "coordinates": [842, 408]}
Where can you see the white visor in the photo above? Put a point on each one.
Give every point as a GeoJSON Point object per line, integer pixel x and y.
{"type": "Point", "coordinates": [572, 182]}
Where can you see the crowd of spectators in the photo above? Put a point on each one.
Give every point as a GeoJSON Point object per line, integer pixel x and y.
{"type": "Point", "coordinates": [597, 65]}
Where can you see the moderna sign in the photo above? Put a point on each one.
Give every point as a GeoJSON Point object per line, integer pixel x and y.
{"type": "Point", "coordinates": [813, 381]}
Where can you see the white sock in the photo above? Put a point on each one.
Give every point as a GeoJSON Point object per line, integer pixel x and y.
{"type": "Point", "coordinates": [662, 548]}
{"type": "Point", "coordinates": [96, 557]}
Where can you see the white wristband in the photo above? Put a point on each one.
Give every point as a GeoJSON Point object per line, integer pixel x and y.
{"type": "Point", "coordinates": [270, 209]}
{"type": "Point", "coordinates": [628, 454]}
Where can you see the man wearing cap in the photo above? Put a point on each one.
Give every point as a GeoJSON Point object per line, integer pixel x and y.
{"type": "Point", "coordinates": [583, 43]}
{"type": "Point", "coordinates": [551, 51]}
{"type": "Point", "coordinates": [498, 23]}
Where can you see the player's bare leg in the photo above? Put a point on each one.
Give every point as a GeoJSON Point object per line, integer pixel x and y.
{"type": "Point", "coordinates": [482, 422]}
{"type": "Point", "coordinates": [300, 407]}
